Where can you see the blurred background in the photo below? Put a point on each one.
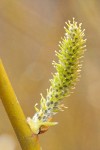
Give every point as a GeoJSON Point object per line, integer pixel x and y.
{"type": "Point", "coordinates": [29, 35]}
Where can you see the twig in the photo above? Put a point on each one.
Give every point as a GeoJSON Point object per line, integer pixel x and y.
{"type": "Point", "coordinates": [15, 113]}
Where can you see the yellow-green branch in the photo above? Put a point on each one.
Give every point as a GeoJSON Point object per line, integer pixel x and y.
{"type": "Point", "coordinates": [15, 113]}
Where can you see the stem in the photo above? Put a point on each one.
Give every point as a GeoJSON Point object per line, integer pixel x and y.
{"type": "Point", "coordinates": [15, 113]}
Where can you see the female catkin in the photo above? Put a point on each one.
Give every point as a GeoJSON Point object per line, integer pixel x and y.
{"type": "Point", "coordinates": [71, 50]}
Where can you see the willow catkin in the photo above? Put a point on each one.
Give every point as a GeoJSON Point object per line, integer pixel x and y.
{"type": "Point", "coordinates": [71, 50]}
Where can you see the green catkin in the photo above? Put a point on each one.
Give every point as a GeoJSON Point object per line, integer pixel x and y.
{"type": "Point", "coordinates": [71, 50]}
